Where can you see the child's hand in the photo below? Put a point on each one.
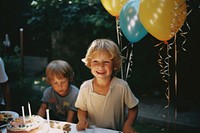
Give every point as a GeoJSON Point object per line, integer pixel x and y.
{"type": "Point", "coordinates": [128, 129]}
{"type": "Point", "coordinates": [81, 125]}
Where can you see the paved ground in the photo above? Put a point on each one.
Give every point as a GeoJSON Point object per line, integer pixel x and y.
{"type": "Point", "coordinates": [154, 111]}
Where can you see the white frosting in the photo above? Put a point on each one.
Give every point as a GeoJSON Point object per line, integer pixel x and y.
{"type": "Point", "coordinates": [31, 123]}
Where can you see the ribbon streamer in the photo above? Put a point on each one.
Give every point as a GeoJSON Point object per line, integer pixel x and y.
{"type": "Point", "coordinates": [129, 63]}
{"type": "Point", "coordinates": [164, 63]}
{"type": "Point", "coordinates": [119, 40]}
{"type": "Point", "coordinates": [183, 34]}
{"type": "Point", "coordinates": [165, 73]}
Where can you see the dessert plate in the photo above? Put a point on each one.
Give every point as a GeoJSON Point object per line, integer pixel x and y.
{"type": "Point", "coordinates": [6, 117]}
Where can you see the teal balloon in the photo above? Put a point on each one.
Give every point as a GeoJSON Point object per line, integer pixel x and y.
{"type": "Point", "coordinates": [130, 23]}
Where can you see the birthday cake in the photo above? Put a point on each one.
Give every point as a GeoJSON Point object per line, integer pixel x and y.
{"type": "Point", "coordinates": [32, 124]}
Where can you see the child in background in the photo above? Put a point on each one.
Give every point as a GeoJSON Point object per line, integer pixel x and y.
{"type": "Point", "coordinates": [60, 97]}
{"type": "Point", "coordinates": [103, 100]}
{"type": "Point", "coordinates": [5, 100]}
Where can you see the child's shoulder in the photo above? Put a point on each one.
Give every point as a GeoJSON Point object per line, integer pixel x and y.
{"type": "Point", "coordinates": [48, 91]}
{"type": "Point", "coordinates": [87, 82]}
{"type": "Point", "coordinates": [119, 81]}
{"type": "Point", "coordinates": [73, 87]}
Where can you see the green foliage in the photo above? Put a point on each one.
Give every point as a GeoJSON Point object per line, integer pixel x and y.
{"type": "Point", "coordinates": [12, 61]}
{"type": "Point", "coordinates": [13, 67]}
{"type": "Point", "coordinates": [66, 28]}
{"type": "Point", "coordinates": [47, 16]}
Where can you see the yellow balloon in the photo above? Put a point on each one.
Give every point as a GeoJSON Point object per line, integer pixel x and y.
{"type": "Point", "coordinates": [113, 6]}
{"type": "Point", "coordinates": [162, 18]}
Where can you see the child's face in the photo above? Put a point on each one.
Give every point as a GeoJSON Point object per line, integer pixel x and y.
{"type": "Point", "coordinates": [61, 86]}
{"type": "Point", "coordinates": [101, 66]}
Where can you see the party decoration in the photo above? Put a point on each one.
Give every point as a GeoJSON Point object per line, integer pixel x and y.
{"type": "Point", "coordinates": [29, 109]}
{"type": "Point", "coordinates": [48, 118]}
{"type": "Point", "coordinates": [162, 18]}
{"type": "Point", "coordinates": [23, 114]}
{"type": "Point", "coordinates": [130, 23]}
{"type": "Point", "coordinates": [113, 6]}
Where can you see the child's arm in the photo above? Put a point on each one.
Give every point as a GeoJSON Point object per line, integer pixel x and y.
{"type": "Point", "coordinates": [82, 117]}
{"type": "Point", "coordinates": [132, 115]}
{"type": "Point", "coordinates": [70, 116]}
{"type": "Point", "coordinates": [42, 110]}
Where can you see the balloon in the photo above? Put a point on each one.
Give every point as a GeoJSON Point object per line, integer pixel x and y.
{"type": "Point", "coordinates": [113, 6]}
{"type": "Point", "coordinates": [130, 23]}
{"type": "Point", "coordinates": [162, 18]}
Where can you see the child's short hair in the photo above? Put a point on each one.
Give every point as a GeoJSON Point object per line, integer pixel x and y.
{"type": "Point", "coordinates": [107, 46]}
{"type": "Point", "coordinates": [59, 69]}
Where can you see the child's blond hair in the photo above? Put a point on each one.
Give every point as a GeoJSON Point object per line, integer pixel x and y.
{"type": "Point", "coordinates": [59, 69]}
{"type": "Point", "coordinates": [108, 47]}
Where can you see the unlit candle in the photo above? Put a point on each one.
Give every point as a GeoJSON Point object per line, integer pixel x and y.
{"type": "Point", "coordinates": [47, 114]}
{"type": "Point", "coordinates": [29, 109]}
{"type": "Point", "coordinates": [23, 114]}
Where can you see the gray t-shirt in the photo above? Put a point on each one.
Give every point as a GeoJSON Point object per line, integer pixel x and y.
{"type": "Point", "coordinates": [58, 105]}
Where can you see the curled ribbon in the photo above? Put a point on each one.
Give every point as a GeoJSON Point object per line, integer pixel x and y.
{"type": "Point", "coordinates": [119, 40]}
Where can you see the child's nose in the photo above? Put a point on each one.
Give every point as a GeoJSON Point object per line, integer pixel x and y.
{"type": "Point", "coordinates": [60, 85]}
{"type": "Point", "coordinates": [100, 65]}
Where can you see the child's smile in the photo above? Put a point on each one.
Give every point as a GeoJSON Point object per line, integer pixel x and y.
{"type": "Point", "coordinates": [101, 65]}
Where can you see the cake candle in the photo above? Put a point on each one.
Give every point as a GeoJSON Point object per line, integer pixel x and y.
{"type": "Point", "coordinates": [29, 109]}
{"type": "Point", "coordinates": [47, 113]}
{"type": "Point", "coordinates": [23, 114]}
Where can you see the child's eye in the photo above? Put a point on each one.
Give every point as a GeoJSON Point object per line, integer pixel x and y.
{"type": "Point", "coordinates": [107, 62]}
{"type": "Point", "coordinates": [94, 62]}
{"type": "Point", "coordinates": [64, 81]}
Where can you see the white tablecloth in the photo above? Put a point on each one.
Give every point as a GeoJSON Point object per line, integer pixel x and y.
{"type": "Point", "coordinates": [73, 129]}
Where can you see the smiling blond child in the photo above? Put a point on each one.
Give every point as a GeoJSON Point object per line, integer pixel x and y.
{"type": "Point", "coordinates": [102, 101]}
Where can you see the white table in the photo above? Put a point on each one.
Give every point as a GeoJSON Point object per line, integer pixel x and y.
{"type": "Point", "coordinates": [73, 129]}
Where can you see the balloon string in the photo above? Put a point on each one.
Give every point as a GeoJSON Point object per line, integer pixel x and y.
{"type": "Point", "coordinates": [127, 61]}
{"type": "Point", "coordinates": [124, 48]}
{"type": "Point", "coordinates": [167, 72]}
{"type": "Point", "coordinates": [119, 40]}
{"type": "Point", "coordinates": [189, 12]}
{"type": "Point", "coordinates": [183, 34]}
{"type": "Point", "coordinates": [175, 78]}
{"type": "Point", "coordinates": [130, 63]}
{"type": "Point", "coordinates": [164, 71]}
{"type": "Point", "coordinates": [175, 63]}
